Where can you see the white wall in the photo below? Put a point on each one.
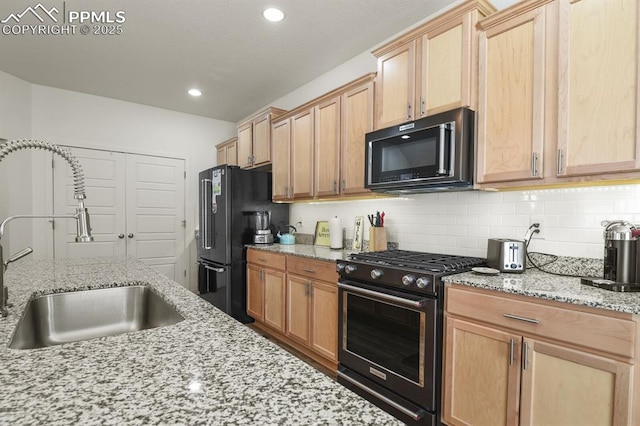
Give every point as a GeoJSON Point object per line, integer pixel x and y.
{"type": "Point", "coordinates": [75, 119]}
{"type": "Point", "coordinates": [15, 123]}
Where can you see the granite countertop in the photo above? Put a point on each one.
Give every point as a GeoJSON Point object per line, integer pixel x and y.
{"type": "Point", "coordinates": [551, 287]}
{"type": "Point", "coordinates": [306, 250]}
{"type": "Point", "coordinates": [207, 369]}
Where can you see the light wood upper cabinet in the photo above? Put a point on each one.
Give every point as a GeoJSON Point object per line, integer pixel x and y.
{"type": "Point", "coordinates": [431, 69]}
{"type": "Point", "coordinates": [558, 93]}
{"type": "Point", "coordinates": [511, 99]}
{"type": "Point", "coordinates": [227, 152]}
{"type": "Point", "coordinates": [327, 148]}
{"type": "Point", "coordinates": [319, 147]}
{"type": "Point", "coordinates": [598, 87]}
{"type": "Point", "coordinates": [302, 154]}
{"type": "Point", "coordinates": [516, 360]}
{"type": "Point", "coordinates": [281, 165]}
{"type": "Point", "coordinates": [395, 86]}
{"type": "Point", "coordinates": [254, 139]}
{"type": "Point", "coordinates": [357, 121]}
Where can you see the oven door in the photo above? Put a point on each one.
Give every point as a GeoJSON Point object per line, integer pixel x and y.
{"type": "Point", "coordinates": [389, 337]}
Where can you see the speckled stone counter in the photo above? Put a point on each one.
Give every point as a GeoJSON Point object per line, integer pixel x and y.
{"type": "Point", "coordinates": [551, 287]}
{"type": "Point", "coordinates": [306, 250]}
{"type": "Point", "coordinates": [207, 369]}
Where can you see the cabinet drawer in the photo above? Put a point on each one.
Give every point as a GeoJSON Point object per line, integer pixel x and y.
{"type": "Point", "coordinates": [265, 258]}
{"type": "Point", "coordinates": [525, 315]}
{"type": "Point", "coordinates": [316, 269]}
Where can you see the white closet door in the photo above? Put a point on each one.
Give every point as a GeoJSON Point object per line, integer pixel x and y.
{"type": "Point", "coordinates": [105, 190]}
{"type": "Point", "coordinates": [155, 213]}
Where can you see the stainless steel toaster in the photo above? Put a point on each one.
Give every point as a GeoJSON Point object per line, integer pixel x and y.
{"type": "Point", "coordinates": [507, 255]}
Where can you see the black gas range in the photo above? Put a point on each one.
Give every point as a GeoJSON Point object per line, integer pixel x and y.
{"type": "Point", "coordinates": [390, 328]}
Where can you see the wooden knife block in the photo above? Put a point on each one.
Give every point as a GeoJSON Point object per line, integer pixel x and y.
{"type": "Point", "coordinates": [377, 238]}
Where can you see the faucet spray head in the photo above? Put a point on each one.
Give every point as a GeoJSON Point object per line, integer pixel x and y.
{"type": "Point", "coordinates": [83, 231]}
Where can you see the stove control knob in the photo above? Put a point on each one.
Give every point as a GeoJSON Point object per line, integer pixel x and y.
{"type": "Point", "coordinates": [408, 279]}
{"type": "Point", "coordinates": [376, 274]}
{"type": "Point", "coordinates": [350, 269]}
{"type": "Point", "coordinates": [423, 282]}
{"type": "Point", "coordinates": [340, 267]}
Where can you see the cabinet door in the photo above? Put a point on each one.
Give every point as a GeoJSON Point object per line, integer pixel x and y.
{"type": "Point", "coordinates": [395, 86]}
{"type": "Point", "coordinates": [324, 319]}
{"type": "Point", "coordinates": [298, 289]}
{"type": "Point", "coordinates": [232, 154]}
{"type": "Point", "coordinates": [274, 299]}
{"type": "Point", "coordinates": [598, 87]}
{"type": "Point", "coordinates": [245, 145]}
{"type": "Point", "coordinates": [445, 68]}
{"type": "Point", "coordinates": [255, 292]}
{"type": "Point", "coordinates": [302, 155]}
{"type": "Point", "coordinates": [481, 375]}
{"type": "Point", "coordinates": [567, 387]}
{"type": "Point", "coordinates": [511, 99]}
{"type": "Point", "coordinates": [281, 165]}
{"type": "Point", "coordinates": [357, 120]}
{"type": "Point", "coordinates": [221, 155]}
{"type": "Point", "coordinates": [327, 148]}
{"type": "Point", "coordinates": [262, 140]}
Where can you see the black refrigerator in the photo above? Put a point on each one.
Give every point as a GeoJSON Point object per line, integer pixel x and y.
{"type": "Point", "coordinates": [229, 197]}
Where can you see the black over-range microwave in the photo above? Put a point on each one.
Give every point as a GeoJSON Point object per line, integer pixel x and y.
{"type": "Point", "coordinates": [434, 153]}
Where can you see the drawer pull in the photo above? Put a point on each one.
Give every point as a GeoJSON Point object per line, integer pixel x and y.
{"type": "Point", "coordinates": [261, 259]}
{"type": "Point", "coordinates": [311, 271]}
{"type": "Point", "coordinates": [516, 317]}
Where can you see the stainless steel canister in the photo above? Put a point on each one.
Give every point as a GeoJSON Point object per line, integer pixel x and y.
{"type": "Point", "coordinates": [620, 251]}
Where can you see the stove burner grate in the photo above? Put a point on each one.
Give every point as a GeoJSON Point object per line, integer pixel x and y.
{"type": "Point", "coordinates": [431, 262]}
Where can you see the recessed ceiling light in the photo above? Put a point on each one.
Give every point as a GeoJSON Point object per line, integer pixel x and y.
{"type": "Point", "coordinates": [273, 15]}
{"type": "Point", "coordinates": [405, 137]}
{"type": "Point", "coordinates": [194, 92]}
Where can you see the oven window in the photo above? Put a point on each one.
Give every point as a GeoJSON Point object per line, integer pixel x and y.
{"type": "Point", "coordinates": [386, 335]}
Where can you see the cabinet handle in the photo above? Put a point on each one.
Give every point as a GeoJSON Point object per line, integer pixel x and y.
{"type": "Point", "coordinates": [261, 259]}
{"type": "Point", "coordinates": [534, 164]}
{"type": "Point", "coordinates": [512, 344]}
{"type": "Point", "coordinates": [335, 187]}
{"type": "Point", "coordinates": [421, 107]}
{"type": "Point", "coordinates": [311, 271]}
{"type": "Point", "coordinates": [525, 362]}
{"type": "Point", "coordinates": [344, 185]}
{"type": "Point", "coordinates": [519, 318]}
{"type": "Point", "coordinates": [559, 161]}
{"type": "Point", "coordinates": [408, 111]}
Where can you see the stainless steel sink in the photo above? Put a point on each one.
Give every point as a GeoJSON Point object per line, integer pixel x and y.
{"type": "Point", "coordinates": [61, 318]}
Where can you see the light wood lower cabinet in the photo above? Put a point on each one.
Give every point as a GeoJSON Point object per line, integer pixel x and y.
{"type": "Point", "coordinates": [501, 367]}
{"type": "Point", "coordinates": [296, 303]}
{"type": "Point", "coordinates": [266, 288]}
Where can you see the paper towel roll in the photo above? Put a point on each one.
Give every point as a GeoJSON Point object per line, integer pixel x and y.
{"type": "Point", "coordinates": [335, 233]}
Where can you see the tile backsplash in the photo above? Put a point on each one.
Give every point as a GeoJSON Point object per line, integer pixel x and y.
{"type": "Point", "coordinates": [461, 222]}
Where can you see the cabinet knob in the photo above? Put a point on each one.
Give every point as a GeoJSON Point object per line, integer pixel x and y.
{"type": "Point", "coordinates": [130, 235]}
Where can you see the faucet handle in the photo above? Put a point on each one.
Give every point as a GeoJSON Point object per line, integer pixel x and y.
{"type": "Point", "coordinates": [17, 256]}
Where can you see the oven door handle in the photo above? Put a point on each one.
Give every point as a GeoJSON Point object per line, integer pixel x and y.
{"type": "Point", "coordinates": [415, 415]}
{"type": "Point", "coordinates": [417, 304]}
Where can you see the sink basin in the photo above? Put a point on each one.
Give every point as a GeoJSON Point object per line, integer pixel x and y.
{"type": "Point", "coordinates": [61, 318]}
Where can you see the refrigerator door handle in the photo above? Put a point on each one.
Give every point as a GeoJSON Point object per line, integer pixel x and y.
{"type": "Point", "coordinates": [204, 216]}
{"type": "Point", "coordinates": [210, 268]}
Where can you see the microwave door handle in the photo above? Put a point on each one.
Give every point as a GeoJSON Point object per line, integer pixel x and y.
{"type": "Point", "coordinates": [441, 154]}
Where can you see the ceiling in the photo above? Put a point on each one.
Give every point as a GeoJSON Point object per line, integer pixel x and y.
{"type": "Point", "coordinates": [240, 61]}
